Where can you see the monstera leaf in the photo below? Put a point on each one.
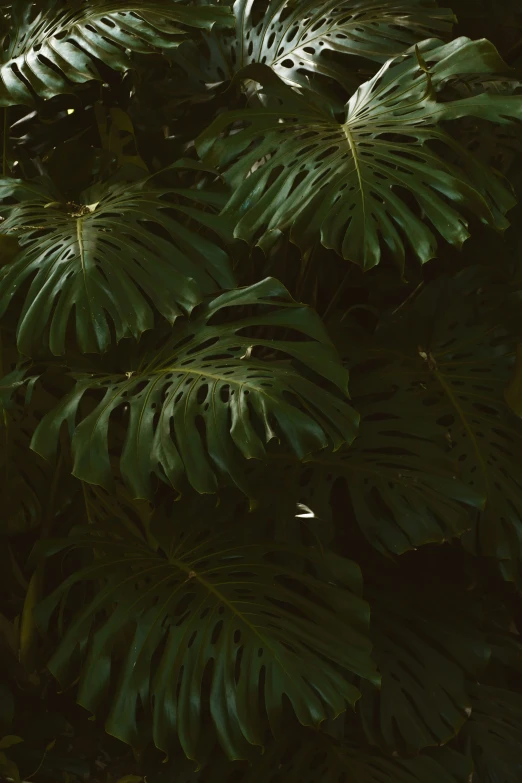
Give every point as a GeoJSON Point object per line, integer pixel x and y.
{"type": "Point", "coordinates": [319, 760]}
{"type": "Point", "coordinates": [495, 145]}
{"type": "Point", "coordinates": [425, 649]}
{"type": "Point", "coordinates": [195, 623]}
{"type": "Point", "coordinates": [457, 355]}
{"type": "Point", "coordinates": [106, 265]}
{"type": "Point", "coordinates": [370, 181]}
{"type": "Point", "coordinates": [203, 400]}
{"type": "Point", "coordinates": [293, 37]}
{"type": "Point", "coordinates": [402, 481]}
{"type": "Point", "coordinates": [50, 45]}
{"type": "Point", "coordinates": [436, 434]}
{"type": "Point", "coordinates": [313, 757]}
{"type": "Point", "coordinates": [494, 732]}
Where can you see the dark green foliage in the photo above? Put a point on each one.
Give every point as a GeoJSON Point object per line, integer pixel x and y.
{"type": "Point", "coordinates": [260, 392]}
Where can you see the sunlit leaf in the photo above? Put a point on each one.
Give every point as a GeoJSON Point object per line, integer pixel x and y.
{"type": "Point", "coordinates": [368, 184]}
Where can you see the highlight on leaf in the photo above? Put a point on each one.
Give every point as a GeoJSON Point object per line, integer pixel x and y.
{"type": "Point", "coordinates": [371, 183]}
{"type": "Point", "coordinates": [103, 269]}
{"type": "Point", "coordinates": [52, 45]}
{"type": "Point", "coordinates": [202, 401]}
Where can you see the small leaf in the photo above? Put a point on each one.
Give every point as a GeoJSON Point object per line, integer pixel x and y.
{"type": "Point", "coordinates": [9, 740]}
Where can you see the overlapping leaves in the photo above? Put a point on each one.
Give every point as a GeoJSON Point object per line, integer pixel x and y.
{"type": "Point", "coordinates": [425, 649]}
{"type": "Point", "coordinates": [188, 622]}
{"type": "Point", "coordinates": [190, 626]}
{"type": "Point", "coordinates": [314, 757]}
{"type": "Point", "coordinates": [106, 266]}
{"type": "Point", "coordinates": [436, 441]}
{"type": "Point", "coordinates": [362, 184]}
{"type": "Point", "coordinates": [50, 45]}
{"type": "Point", "coordinates": [402, 483]}
{"type": "Point", "coordinates": [292, 38]}
{"type": "Point", "coordinates": [494, 732]}
{"type": "Point", "coordinates": [454, 349]}
{"type": "Point", "coordinates": [201, 401]}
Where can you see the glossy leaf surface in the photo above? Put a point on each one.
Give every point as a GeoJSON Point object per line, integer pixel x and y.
{"type": "Point", "coordinates": [293, 165]}
{"type": "Point", "coordinates": [204, 400]}
{"type": "Point", "coordinates": [106, 265]}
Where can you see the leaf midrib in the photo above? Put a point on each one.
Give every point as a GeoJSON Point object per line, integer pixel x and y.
{"type": "Point", "coordinates": [217, 594]}
{"type": "Point", "coordinates": [357, 163]}
{"type": "Point", "coordinates": [81, 249]}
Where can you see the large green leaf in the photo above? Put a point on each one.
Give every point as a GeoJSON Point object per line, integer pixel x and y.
{"type": "Point", "coordinates": [371, 181]}
{"type": "Point", "coordinates": [445, 359]}
{"type": "Point", "coordinates": [494, 734]}
{"type": "Point", "coordinates": [313, 757]}
{"type": "Point", "coordinates": [292, 37]}
{"type": "Point", "coordinates": [106, 265]}
{"type": "Point", "coordinates": [402, 481]}
{"type": "Point", "coordinates": [435, 440]}
{"type": "Point", "coordinates": [203, 400]}
{"type": "Point", "coordinates": [197, 623]}
{"type": "Point", "coordinates": [496, 145]}
{"type": "Point", "coordinates": [425, 648]}
{"type": "Point", "coordinates": [320, 761]}
{"type": "Point", "coordinates": [49, 45]}
{"type": "Point", "coordinates": [461, 332]}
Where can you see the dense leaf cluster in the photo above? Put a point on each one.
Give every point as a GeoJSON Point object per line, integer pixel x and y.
{"type": "Point", "coordinates": [260, 391]}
